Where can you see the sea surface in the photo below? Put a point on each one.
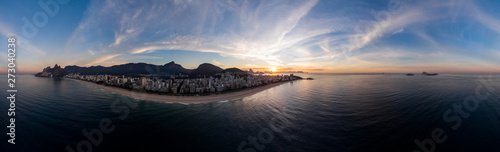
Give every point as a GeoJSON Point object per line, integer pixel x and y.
{"type": "Point", "coordinates": [333, 112]}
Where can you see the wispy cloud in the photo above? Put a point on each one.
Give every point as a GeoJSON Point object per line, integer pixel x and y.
{"type": "Point", "coordinates": [483, 18]}
{"type": "Point", "coordinates": [27, 47]}
{"type": "Point", "coordinates": [102, 59]}
{"type": "Point", "coordinates": [254, 34]}
{"type": "Point", "coordinates": [398, 31]}
{"type": "Point", "coordinates": [217, 63]}
{"type": "Point", "coordinates": [91, 52]}
{"type": "Point", "coordinates": [281, 33]}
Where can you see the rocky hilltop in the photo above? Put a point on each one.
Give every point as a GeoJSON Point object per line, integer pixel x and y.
{"type": "Point", "coordinates": [57, 71]}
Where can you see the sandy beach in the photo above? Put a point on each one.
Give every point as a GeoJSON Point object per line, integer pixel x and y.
{"type": "Point", "coordinates": [184, 99]}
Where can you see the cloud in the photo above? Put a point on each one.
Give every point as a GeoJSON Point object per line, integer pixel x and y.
{"type": "Point", "coordinates": [5, 31]}
{"type": "Point", "coordinates": [217, 63]}
{"type": "Point", "coordinates": [91, 52]}
{"type": "Point", "coordinates": [483, 18]}
{"type": "Point", "coordinates": [398, 31]}
{"type": "Point", "coordinates": [102, 59]}
{"type": "Point", "coordinates": [146, 57]}
{"type": "Point", "coordinates": [250, 33]}
{"type": "Point", "coordinates": [27, 47]}
{"type": "Point", "coordinates": [280, 33]}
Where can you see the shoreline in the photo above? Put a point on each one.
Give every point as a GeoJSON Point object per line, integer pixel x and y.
{"type": "Point", "coordinates": [239, 94]}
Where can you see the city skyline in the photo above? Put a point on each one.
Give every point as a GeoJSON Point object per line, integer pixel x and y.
{"type": "Point", "coordinates": [393, 36]}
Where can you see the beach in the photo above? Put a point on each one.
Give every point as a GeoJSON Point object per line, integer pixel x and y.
{"type": "Point", "coordinates": [184, 99]}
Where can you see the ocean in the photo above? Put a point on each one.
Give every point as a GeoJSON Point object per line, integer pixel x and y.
{"type": "Point", "coordinates": [333, 112]}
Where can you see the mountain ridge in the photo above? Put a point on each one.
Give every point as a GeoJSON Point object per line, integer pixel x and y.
{"type": "Point", "coordinates": [137, 69]}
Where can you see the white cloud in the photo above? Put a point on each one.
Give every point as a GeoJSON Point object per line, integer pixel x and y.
{"type": "Point", "coordinates": [483, 18]}
{"type": "Point", "coordinates": [102, 59]}
{"type": "Point", "coordinates": [398, 31]}
{"type": "Point", "coordinates": [129, 31]}
{"type": "Point", "coordinates": [254, 34]}
{"type": "Point", "coordinates": [91, 52]}
{"type": "Point", "coordinates": [279, 32]}
{"type": "Point", "coordinates": [217, 63]}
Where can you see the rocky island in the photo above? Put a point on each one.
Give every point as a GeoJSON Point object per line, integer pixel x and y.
{"type": "Point", "coordinates": [429, 74]}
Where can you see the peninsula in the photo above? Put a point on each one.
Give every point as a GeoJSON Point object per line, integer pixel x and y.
{"type": "Point", "coordinates": [207, 83]}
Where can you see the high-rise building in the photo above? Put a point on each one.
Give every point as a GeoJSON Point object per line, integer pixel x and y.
{"type": "Point", "coordinates": [143, 82]}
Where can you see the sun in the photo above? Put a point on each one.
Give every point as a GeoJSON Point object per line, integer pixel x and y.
{"type": "Point", "coordinates": [273, 69]}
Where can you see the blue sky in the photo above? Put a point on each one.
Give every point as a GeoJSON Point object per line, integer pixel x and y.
{"type": "Point", "coordinates": [314, 36]}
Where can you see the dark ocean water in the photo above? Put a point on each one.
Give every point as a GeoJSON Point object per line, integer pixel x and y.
{"type": "Point", "coordinates": [334, 112]}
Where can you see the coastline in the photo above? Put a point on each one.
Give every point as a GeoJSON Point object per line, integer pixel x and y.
{"type": "Point", "coordinates": [184, 99]}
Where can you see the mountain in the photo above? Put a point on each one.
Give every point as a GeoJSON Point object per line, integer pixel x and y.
{"type": "Point", "coordinates": [57, 71]}
{"type": "Point", "coordinates": [232, 70]}
{"type": "Point", "coordinates": [236, 71]}
{"type": "Point", "coordinates": [129, 69]}
{"type": "Point", "coordinates": [250, 71]}
{"type": "Point", "coordinates": [135, 69]}
{"type": "Point", "coordinates": [171, 67]}
{"type": "Point", "coordinates": [205, 70]}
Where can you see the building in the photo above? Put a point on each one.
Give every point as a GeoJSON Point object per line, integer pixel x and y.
{"type": "Point", "coordinates": [143, 82]}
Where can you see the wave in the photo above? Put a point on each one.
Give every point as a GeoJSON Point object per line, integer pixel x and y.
{"type": "Point", "coordinates": [223, 101]}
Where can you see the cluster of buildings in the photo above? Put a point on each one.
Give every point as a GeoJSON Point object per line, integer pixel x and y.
{"type": "Point", "coordinates": [218, 83]}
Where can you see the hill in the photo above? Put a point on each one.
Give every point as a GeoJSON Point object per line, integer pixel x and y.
{"type": "Point", "coordinates": [57, 71]}
{"type": "Point", "coordinates": [137, 69]}
{"type": "Point", "coordinates": [205, 70]}
{"type": "Point", "coordinates": [130, 69]}
{"type": "Point", "coordinates": [236, 71]}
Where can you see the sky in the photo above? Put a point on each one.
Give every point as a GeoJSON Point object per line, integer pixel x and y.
{"type": "Point", "coordinates": [330, 36]}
